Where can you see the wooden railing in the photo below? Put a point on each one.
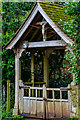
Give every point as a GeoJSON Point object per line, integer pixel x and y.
{"type": "Point", "coordinates": [29, 88]}
{"type": "Point", "coordinates": [38, 84]}
{"type": "Point", "coordinates": [45, 95]}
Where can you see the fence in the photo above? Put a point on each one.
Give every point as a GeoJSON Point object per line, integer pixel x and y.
{"type": "Point", "coordinates": [33, 104]}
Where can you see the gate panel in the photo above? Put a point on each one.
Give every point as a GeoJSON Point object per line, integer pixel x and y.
{"type": "Point", "coordinates": [50, 110]}
{"type": "Point", "coordinates": [40, 109]}
{"type": "Point", "coordinates": [57, 108]}
{"type": "Point", "coordinates": [26, 106]}
{"type": "Point", "coordinates": [66, 112]}
{"type": "Point", "coordinates": [58, 112]}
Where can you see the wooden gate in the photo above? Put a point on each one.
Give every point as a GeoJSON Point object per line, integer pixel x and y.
{"type": "Point", "coordinates": [44, 106]}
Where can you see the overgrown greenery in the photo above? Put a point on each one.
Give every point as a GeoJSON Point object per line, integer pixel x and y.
{"type": "Point", "coordinates": [73, 31]}
{"type": "Point", "coordinates": [13, 16]}
{"type": "Point", "coordinates": [73, 118]}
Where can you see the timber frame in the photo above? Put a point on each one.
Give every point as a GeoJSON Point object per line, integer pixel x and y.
{"type": "Point", "coordinates": [37, 8]}
{"type": "Point", "coordinates": [33, 35]}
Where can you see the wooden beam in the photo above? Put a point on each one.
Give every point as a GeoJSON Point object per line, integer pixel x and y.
{"type": "Point", "coordinates": [39, 37]}
{"type": "Point", "coordinates": [8, 95]}
{"type": "Point", "coordinates": [20, 69]}
{"type": "Point", "coordinates": [16, 81]}
{"type": "Point", "coordinates": [28, 21]}
{"type": "Point", "coordinates": [34, 34]}
{"type": "Point", "coordinates": [25, 35]}
{"type": "Point", "coordinates": [21, 95]}
{"type": "Point", "coordinates": [17, 76]}
{"type": "Point", "coordinates": [46, 70]}
{"type": "Point", "coordinates": [44, 102]}
{"type": "Point", "coordinates": [54, 26]}
{"type": "Point", "coordinates": [55, 43]}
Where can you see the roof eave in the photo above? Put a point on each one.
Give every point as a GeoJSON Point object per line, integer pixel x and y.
{"type": "Point", "coordinates": [27, 22]}
{"type": "Point", "coordinates": [7, 45]}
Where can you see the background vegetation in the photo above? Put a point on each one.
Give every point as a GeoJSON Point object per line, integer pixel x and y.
{"type": "Point", "coordinates": [13, 15]}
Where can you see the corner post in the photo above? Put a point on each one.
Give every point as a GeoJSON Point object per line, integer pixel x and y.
{"type": "Point", "coordinates": [17, 78]}
{"type": "Point", "coordinates": [46, 70]}
{"type": "Point", "coordinates": [21, 95]}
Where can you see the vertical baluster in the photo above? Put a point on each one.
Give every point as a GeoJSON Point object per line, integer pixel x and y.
{"type": "Point", "coordinates": [44, 102]}
{"type": "Point", "coordinates": [29, 92]}
{"type": "Point", "coordinates": [36, 102]}
{"type": "Point", "coordinates": [53, 94]}
{"type": "Point", "coordinates": [29, 100]}
{"type": "Point", "coordinates": [39, 91]}
{"type": "Point", "coordinates": [61, 103]}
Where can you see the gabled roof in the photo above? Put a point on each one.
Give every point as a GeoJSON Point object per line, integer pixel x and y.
{"type": "Point", "coordinates": [52, 14]}
{"type": "Point", "coordinates": [56, 13]}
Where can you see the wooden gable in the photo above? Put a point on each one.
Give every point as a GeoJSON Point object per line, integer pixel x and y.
{"type": "Point", "coordinates": [31, 31]}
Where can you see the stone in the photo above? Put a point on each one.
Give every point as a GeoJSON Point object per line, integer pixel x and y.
{"type": "Point", "coordinates": [73, 109]}
{"type": "Point", "coordinates": [15, 111]}
{"type": "Point", "coordinates": [72, 83]}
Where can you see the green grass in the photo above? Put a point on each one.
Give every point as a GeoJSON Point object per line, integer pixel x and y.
{"type": "Point", "coordinates": [73, 118]}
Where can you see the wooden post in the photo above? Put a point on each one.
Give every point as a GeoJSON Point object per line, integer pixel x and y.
{"type": "Point", "coordinates": [39, 92]}
{"type": "Point", "coordinates": [29, 101]}
{"type": "Point", "coordinates": [19, 68]}
{"type": "Point", "coordinates": [32, 71]}
{"type": "Point", "coordinates": [74, 80]}
{"type": "Point", "coordinates": [53, 94]}
{"type": "Point", "coordinates": [46, 70]}
{"type": "Point", "coordinates": [21, 95]}
{"type": "Point", "coordinates": [17, 76]}
{"type": "Point", "coordinates": [61, 106]}
{"type": "Point", "coordinates": [36, 102]}
{"type": "Point", "coordinates": [69, 99]}
{"type": "Point", "coordinates": [44, 102]}
{"type": "Point", "coordinates": [8, 95]}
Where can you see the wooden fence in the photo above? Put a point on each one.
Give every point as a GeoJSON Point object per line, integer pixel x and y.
{"type": "Point", "coordinates": [43, 106]}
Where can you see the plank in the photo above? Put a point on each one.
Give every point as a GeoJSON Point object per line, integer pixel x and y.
{"type": "Point", "coordinates": [8, 95]}
{"type": "Point", "coordinates": [53, 43]}
{"type": "Point", "coordinates": [33, 98]}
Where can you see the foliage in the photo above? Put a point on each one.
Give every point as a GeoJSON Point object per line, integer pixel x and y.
{"type": "Point", "coordinates": [72, 30]}
{"type": "Point", "coordinates": [9, 115]}
{"type": "Point", "coordinates": [13, 15]}
{"type": "Point", "coordinates": [73, 118]}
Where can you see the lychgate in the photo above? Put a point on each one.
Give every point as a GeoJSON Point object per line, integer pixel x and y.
{"type": "Point", "coordinates": [41, 31]}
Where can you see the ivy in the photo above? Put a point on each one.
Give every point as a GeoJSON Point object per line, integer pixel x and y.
{"type": "Point", "coordinates": [72, 30]}
{"type": "Point", "coordinates": [13, 15]}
